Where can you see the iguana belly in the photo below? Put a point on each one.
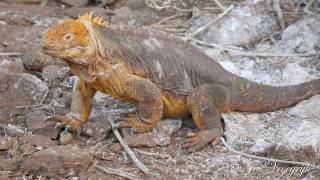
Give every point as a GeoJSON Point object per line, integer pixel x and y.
{"type": "Point", "coordinates": [174, 105]}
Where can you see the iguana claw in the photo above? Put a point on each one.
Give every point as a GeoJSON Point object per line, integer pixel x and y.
{"type": "Point", "coordinates": [69, 123]}
{"type": "Point", "coordinates": [196, 141]}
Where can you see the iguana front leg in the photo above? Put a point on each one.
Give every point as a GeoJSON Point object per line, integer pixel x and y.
{"type": "Point", "coordinates": [80, 107]}
{"type": "Point", "coordinates": [150, 107]}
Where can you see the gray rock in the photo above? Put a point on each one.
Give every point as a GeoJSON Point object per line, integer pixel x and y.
{"type": "Point", "coordinates": [34, 59]}
{"type": "Point", "coordinates": [77, 3]}
{"type": "Point", "coordinates": [301, 37]}
{"type": "Point", "coordinates": [14, 131]}
{"type": "Point", "coordinates": [20, 90]}
{"type": "Point", "coordinates": [54, 72]}
{"type": "Point", "coordinates": [137, 13]}
{"type": "Point", "coordinates": [74, 12]}
{"type": "Point", "coordinates": [60, 160]}
{"type": "Point", "coordinates": [308, 108]}
{"type": "Point", "coordinates": [11, 66]}
{"type": "Point", "coordinates": [244, 25]}
{"type": "Point", "coordinates": [275, 134]}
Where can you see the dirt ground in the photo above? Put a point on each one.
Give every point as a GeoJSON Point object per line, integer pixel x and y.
{"type": "Point", "coordinates": [269, 41]}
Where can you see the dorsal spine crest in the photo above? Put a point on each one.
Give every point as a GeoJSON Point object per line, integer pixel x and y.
{"type": "Point", "coordinates": [98, 21]}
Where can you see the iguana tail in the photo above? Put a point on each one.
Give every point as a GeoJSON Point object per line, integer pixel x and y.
{"type": "Point", "coordinates": [253, 97]}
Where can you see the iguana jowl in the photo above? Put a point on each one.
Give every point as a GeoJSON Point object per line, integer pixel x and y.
{"type": "Point", "coordinates": [162, 75]}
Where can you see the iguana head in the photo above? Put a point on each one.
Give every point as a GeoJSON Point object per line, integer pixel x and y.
{"type": "Point", "coordinates": [73, 39]}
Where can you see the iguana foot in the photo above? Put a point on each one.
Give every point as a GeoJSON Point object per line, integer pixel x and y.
{"type": "Point", "coordinates": [200, 139]}
{"type": "Point", "coordinates": [132, 120]}
{"type": "Point", "coordinates": [66, 122]}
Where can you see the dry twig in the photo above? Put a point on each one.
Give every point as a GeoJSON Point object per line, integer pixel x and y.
{"type": "Point", "coordinates": [220, 4]}
{"type": "Point", "coordinates": [154, 5]}
{"type": "Point", "coordinates": [308, 6]}
{"type": "Point", "coordinates": [117, 172]}
{"type": "Point", "coordinates": [277, 7]}
{"type": "Point", "coordinates": [253, 54]}
{"type": "Point", "coordinates": [11, 54]}
{"type": "Point", "coordinates": [156, 155]}
{"type": "Point", "coordinates": [134, 158]}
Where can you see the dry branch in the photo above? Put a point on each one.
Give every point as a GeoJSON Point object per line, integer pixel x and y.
{"type": "Point", "coordinates": [11, 54]}
{"type": "Point", "coordinates": [117, 172]}
{"type": "Point", "coordinates": [156, 155]}
{"type": "Point", "coordinates": [134, 158]}
{"type": "Point", "coordinates": [253, 54]}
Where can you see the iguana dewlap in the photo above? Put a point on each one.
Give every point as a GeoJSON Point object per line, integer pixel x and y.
{"type": "Point", "coordinates": [162, 75]}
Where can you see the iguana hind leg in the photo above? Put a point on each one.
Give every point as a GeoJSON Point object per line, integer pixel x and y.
{"type": "Point", "coordinates": [205, 103]}
{"type": "Point", "coordinates": [150, 106]}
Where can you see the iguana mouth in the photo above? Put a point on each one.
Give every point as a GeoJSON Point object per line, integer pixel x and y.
{"type": "Point", "coordinates": [63, 52]}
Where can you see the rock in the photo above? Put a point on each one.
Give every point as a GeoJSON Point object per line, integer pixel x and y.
{"type": "Point", "coordinates": [274, 134]}
{"type": "Point", "coordinates": [27, 148]}
{"type": "Point", "coordinates": [77, 3]}
{"type": "Point", "coordinates": [23, 1]}
{"type": "Point", "coordinates": [140, 140]}
{"type": "Point", "coordinates": [60, 160]}
{"type": "Point", "coordinates": [293, 73]}
{"type": "Point", "coordinates": [4, 143]}
{"type": "Point", "coordinates": [159, 136]}
{"type": "Point", "coordinates": [308, 108]}
{"type": "Point", "coordinates": [108, 2]}
{"type": "Point", "coordinates": [20, 90]}
{"type": "Point", "coordinates": [164, 129]}
{"type": "Point", "coordinates": [14, 131]}
{"type": "Point", "coordinates": [125, 15]}
{"type": "Point", "coordinates": [36, 121]}
{"type": "Point", "coordinates": [34, 59]}
{"type": "Point", "coordinates": [11, 66]}
{"type": "Point", "coordinates": [246, 24]}
{"type": "Point", "coordinates": [116, 147]}
{"type": "Point", "coordinates": [38, 140]}
{"type": "Point", "coordinates": [74, 12]}
{"type": "Point", "coordinates": [137, 13]}
{"type": "Point", "coordinates": [97, 130]}
{"type": "Point", "coordinates": [53, 72]}
{"type": "Point", "coordinates": [301, 37]}
{"type": "Point", "coordinates": [4, 116]}
{"type": "Point", "coordinates": [65, 138]}
{"type": "Point", "coordinates": [8, 165]}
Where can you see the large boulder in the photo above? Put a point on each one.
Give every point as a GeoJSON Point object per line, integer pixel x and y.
{"type": "Point", "coordinates": [61, 160]}
{"type": "Point", "coordinates": [244, 25]}
{"type": "Point", "coordinates": [20, 90]}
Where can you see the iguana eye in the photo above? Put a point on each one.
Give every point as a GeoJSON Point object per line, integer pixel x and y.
{"type": "Point", "coordinates": [68, 37]}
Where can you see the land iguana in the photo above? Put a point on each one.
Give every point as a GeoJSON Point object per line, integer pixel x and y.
{"type": "Point", "coordinates": [160, 74]}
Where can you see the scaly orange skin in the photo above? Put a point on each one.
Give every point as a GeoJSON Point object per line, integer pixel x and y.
{"type": "Point", "coordinates": [161, 75]}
